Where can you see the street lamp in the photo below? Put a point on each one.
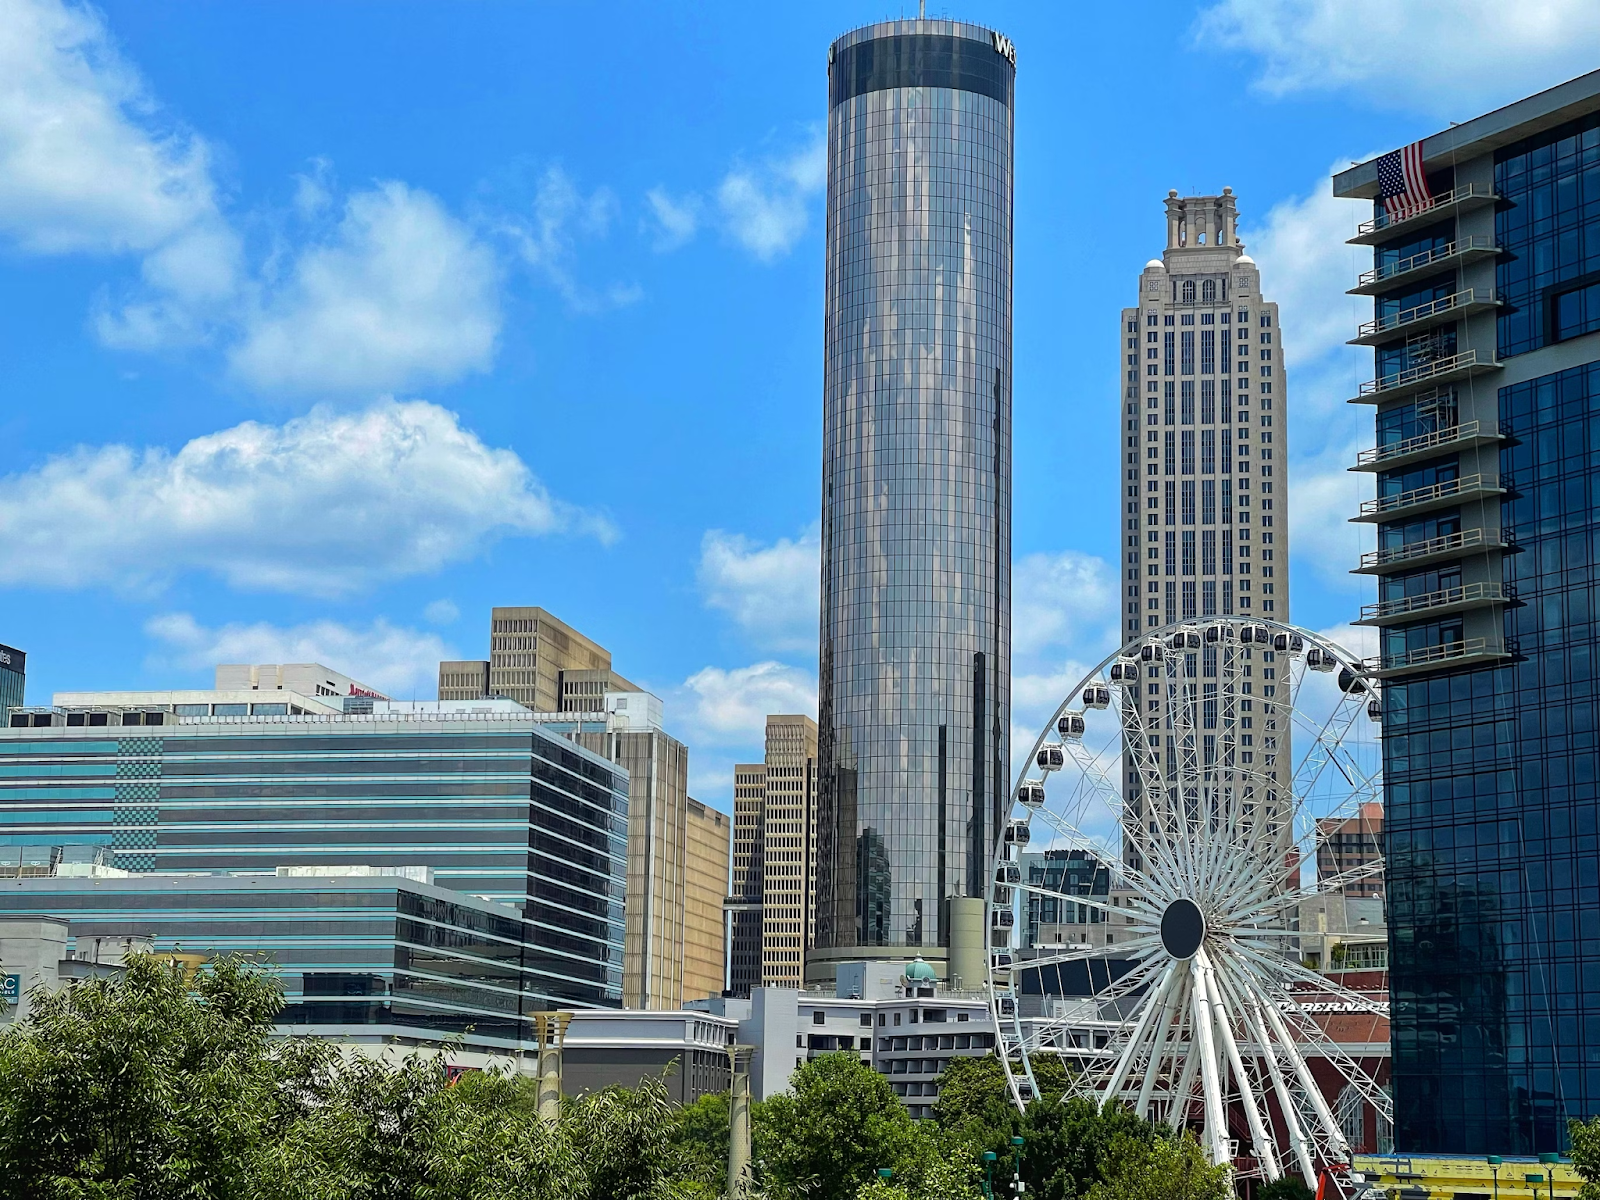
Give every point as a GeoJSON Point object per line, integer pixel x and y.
{"type": "Point", "coordinates": [1494, 1169]}
{"type": "Point", "coordinates": [989, 1157]}
{"type": "Point", "coordinates": [1017, 1186]}
{"type": "Point", "coordinates": [1534, 1181]}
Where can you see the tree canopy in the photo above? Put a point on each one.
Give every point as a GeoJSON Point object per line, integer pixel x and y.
{"type": "Point", "coordinates": [161, 1083]}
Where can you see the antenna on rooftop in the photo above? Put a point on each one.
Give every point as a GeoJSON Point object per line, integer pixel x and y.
{"type": "Point", "coordinates": [922, 10]}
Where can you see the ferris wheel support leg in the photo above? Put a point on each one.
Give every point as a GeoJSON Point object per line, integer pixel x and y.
{"type": "Point", "coordinates": [1130, 1052]}
{"type": "Point", "coordinates": [1210, 1081]}
{"type": "Point", "coordinates": [1175, 998]}
{"type": "Point", "coordinates": [1308, 1085]}
{"type": "Point", "coordinates": [1297, 1137]}
{"type": "Point", "coordinates": [1247, 1096]}
{"type": "Point", "coordinates": [1178, 1110]}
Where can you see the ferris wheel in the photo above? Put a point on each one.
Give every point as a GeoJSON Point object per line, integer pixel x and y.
{"type": "Point", "coordinates": [1162, 838]}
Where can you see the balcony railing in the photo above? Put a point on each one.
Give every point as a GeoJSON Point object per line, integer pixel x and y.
{"type": "Point", "coordinates": [1422, 495]}
{"type": "Point", "coordinates": [1449, 543]}
{"type": "Point", "coordinates": [1383, 222]}
{"type": "Point", "coordinates": [1428, 655]}
{"type": "Point", "coordinates": [1423, 372]}
{"type": "Point", "coordinates": [1416, 262]}
{"type": "Point", "coordinates": [1471, 593]}
{"type": "Point", "coordinates": [1421, 442]}
{"type": "Point", "coordinates": [1422, 312]}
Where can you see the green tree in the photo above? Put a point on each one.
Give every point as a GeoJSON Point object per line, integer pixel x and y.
{"type": "Point", "coordinates": [1070, 1145]}
{"type": "Point", "coordinates": [624, 1141]}
{"type": "Point", "coordinates": [1585, 1137]}
{"type": "Point", "coordinates": [150, 1084]}
{"type": "Point", "coordinates": [699, 1137]}
{"type": "Point", "coordinates": [1285, 1187]}
{"type": "Point", "coordinates": [1163, 1168]}
{"type": "Point", "coordinates": [828, 1135]}
{"type": "Point", "coordinates": [368, 1130]}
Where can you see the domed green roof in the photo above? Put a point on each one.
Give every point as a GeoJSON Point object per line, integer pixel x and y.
{"type": "Point", "coordinates": [920, 970]}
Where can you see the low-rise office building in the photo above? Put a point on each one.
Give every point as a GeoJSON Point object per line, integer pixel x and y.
{"type": "Point", "coordinates": [494, 805]}
{"type": "Point", "coordinates": [366, 957]}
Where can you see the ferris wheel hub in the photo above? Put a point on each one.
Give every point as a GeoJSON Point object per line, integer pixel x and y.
{"type": "Point", "coordinates": [1183, 928]}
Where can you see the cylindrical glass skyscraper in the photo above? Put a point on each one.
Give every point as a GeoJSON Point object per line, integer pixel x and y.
{"type": "Point", "coordinates": [915, 662]}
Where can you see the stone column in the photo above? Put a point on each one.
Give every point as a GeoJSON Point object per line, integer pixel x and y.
{"type": "Point", "coordinates": [1175, 217]}
{"type": "Point", "coordinates": [739, 1122]}
{"type": "Point", "coordinates": [550, 1033]}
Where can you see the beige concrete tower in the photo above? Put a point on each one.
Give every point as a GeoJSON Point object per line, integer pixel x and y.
{"type": "Point", "coordinates": [749, 807]}
{"type": "Point", "coordinates": [528, 651]}
{"type": "Point", "coordinates": [788, 849]}
{"type": "Point", "coordinates": [1205, 487]}
{"type": "Point", "coordinates": [705, 885]}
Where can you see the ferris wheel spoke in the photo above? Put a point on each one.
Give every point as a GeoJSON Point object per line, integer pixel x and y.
{"type": "Point", "coordinates": [1249, 999]}
{"type": "Point", "coordinates": [1202, 801]}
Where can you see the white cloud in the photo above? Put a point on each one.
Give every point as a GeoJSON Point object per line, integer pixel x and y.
{"type": "Point", "coordinates": [89, 164]}
{"type": "Point", "coordinates": [1306, 268]}
{"type": "Point", "coordinates": [766, 206]}
{"type": "Point", "coordinates": [325, 504]}
{"type": "Point", "coordinates": [562, 215]}
{"type": "Point", "coordinates": [1323, 496]}
{"type": "Point", "coordinates": [402, 293]}
{"type": "Point", "coordinates": [1449, 58]}
{"type": "Point", "coordinates": [1063, 600]}
{"type": "Point", "coordinates": [722, 715]}
{"type": "Point", "coordinates": [672, 222]}
{"type": "Point", "coordinates": [85, 164]}
{"type": "Point", "coordinates": [441, 612]}
{"type": "Point", "coordinates": [403, 663]}
{"type": "Point", "coordinates": [772, 592]}
{"type": "Point", "coordinates": [731, 706]}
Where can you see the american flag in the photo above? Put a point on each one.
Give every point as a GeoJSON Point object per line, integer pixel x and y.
{"type": "Point", "coordinates": [1403, 183]}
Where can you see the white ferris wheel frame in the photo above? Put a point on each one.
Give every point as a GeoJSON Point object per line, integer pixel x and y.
{"type": "Point", "coordinates": [1223, 1013]}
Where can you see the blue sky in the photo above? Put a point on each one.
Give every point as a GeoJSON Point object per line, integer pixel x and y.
{"type": "Point", "coordinates": [323, 328]}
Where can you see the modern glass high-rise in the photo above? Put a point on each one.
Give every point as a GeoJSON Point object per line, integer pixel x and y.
{"type": "Point", "coordinates": [915, 681]}
{"type": "Point", "coordinates": [1486, 332]}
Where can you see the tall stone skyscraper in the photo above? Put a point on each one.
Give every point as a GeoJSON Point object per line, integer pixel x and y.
{"type": "Point", "coordinates": [1205, 489]}
{"type": "Point", "coordinates": [915, 662]}
{"type": "Point", "coordinates": [1204, 446]}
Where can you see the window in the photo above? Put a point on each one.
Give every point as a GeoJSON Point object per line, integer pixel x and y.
{"type": "Point", "coordinates": [1171, 453]}
{"type": "Point", "coordinates": [1172, 406]}
{"type": "Point", "coordinates": [1208, 597]}
{"type": "Point", "coordinates": [1244, 318]}
{"type": "Point", "coordinates": [1172, 502]}
{"type": "Point", "coordinates": [1188, 597]}
{"type": "Point", "coordinates": [1208, 352]}
{"type": "Point", "coordinates": [1188, 502]}
{"type": "Point", "coordinates": [1170, 340]}
{"type": "Point", "coordinates": [866, 1019]}
{"type": "Point", "coordinates": [1188, 291]}
{"type": "Point", "coordinates": [1188, 402]}
{"type": "Point", "coordinates": [1208, 451]}
{"type": "Point", "coordinates": [1227, 552]}
{"type": "Point", "coordinates": [1208, 401]}
{"type": "Point", "coordinates": [1208, 291]}
{"type": "Point", "coordinates": [1208, 501]}
{"type": "Point", "coordinates": [1188, 557]}
{"type": "Point", "coordinates": [1227, 454]}
{"type": "Point", "coordinates": [1227, 489]}
{"type": "Point", "coordinates": [1172, 557]}
{"type": "Point", "coordinates": [1188, 451]}
{"type": "Point", "coordinates": [897, 1018]}
{"type": "Point", "coordinates": [1208, 552]}
{"type": "Point", "coordinates": [1574, 312]}
{"type": "Point", "coordinates": [1187, 344]}
{"type": "Point", "coordinates": [816, 1017]}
